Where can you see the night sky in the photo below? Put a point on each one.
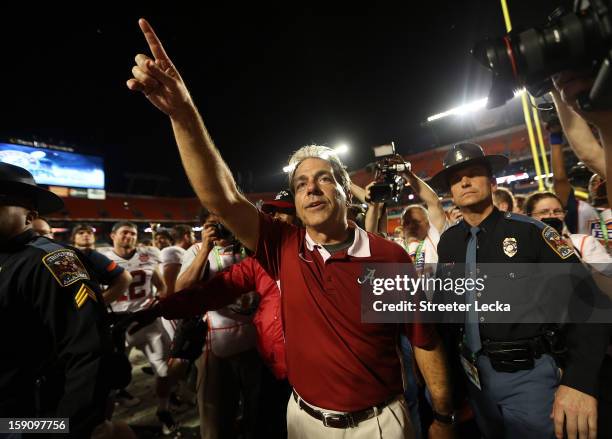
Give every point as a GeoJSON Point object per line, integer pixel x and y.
{"type": "Point", "coordinates": [267, 80]}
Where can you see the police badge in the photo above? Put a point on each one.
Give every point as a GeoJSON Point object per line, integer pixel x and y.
{"type": "Point", "coordinates": [510, 247]}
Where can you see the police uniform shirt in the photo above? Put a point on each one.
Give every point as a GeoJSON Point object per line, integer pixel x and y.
{"type": "Point", "coordinates": [52, 328]}
{"type": "Point", "coordinates": [510, 238]}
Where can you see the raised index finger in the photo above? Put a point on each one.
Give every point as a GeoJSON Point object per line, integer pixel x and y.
{"type": "Point", "coordinates": [157, 49]}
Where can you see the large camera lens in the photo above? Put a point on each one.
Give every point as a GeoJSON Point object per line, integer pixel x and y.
{"type": "Point", "coordinates": [529, 58]}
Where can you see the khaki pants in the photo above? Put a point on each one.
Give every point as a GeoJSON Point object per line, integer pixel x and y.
{"type": "Point", "coordinates": [393, 422]}
{"type": "Point", "coordinates": [221, 381]}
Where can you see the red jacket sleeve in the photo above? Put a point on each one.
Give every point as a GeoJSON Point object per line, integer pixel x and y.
{"type": "Point", "coordinates": [219, 291]}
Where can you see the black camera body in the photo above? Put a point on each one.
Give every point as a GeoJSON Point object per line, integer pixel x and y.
{"type": "Point", "coordinates": [579, 40]}
{"type": "Point", "coordinates": [388, 184]}
{"type": "Point", "coordinates": [223, 232]}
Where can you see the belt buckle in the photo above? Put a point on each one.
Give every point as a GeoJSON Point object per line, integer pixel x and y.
{"type": "Point", "coordinates": [336, 417]}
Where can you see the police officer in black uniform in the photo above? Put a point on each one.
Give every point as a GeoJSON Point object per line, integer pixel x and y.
{"type": "Point", "coordinates": [513, 380]}
{"type": "Point", "coordinates": [56, 350]}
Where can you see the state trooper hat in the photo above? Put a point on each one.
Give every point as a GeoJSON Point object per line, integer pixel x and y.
{"type": "Point", "coordinates": [461, 155]}
{"type": "Point", "coordinates": [17, 183]}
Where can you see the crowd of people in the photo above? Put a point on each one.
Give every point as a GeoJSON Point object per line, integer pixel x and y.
{"type": "Point", "coordinates": [267, 304]}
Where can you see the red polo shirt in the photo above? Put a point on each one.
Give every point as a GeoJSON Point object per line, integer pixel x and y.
{"type": "Point", "coordinates": [334, 361]}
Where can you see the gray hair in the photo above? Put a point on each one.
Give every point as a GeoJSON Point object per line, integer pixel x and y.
{"type": "Point", "coordinates": [323, 153]}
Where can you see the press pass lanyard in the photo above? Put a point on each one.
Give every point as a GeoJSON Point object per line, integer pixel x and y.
{"type": "Point", "coordinates": [219, 261]}
{"type": "Point", "coordinates": [418, 252]}
{"type": "Point", "coordinates": [604, 227]}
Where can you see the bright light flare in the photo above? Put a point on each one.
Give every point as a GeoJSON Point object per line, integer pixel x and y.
{"type": "Point", "coordinates": [461, 110]}
{"type": "Point", "coordinates": [343, 148]}
{"type": "Point", "coordinates": [469, 108]}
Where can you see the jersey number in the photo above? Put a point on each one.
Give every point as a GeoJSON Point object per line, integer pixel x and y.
{"type": "Point", "coordinates": [136, 290]}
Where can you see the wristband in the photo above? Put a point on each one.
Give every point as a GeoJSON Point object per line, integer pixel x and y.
{"type": "Point", "coordinates": [445, 419]}
{"type": "Point", "coordinates": [556, 138]}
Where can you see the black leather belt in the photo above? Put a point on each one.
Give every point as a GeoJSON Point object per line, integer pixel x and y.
{"type": "Point", "coordinates": [512, 356]}
{"type": "Point", "coordinates": [341, 420]}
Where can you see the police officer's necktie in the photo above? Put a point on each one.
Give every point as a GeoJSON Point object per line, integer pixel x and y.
{"type": "Point", "coordinates": [472, 330]}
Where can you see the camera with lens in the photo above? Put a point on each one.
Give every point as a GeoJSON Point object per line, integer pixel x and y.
{"type": "Point", "coordinates": [578, 40]}
{"type": "Point", "coordinates": [223, 232]}
{"type": "Point", "coordinates": [388, 181]}
{"type": "Point", "coordinates": [551, 119]}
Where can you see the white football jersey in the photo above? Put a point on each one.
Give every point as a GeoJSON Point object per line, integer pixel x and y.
{"type": "Point", "coordinates": [141, 266]}
{"type": "Point", "coordinates": [595, 222]}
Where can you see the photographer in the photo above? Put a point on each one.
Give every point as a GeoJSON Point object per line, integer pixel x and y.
{"type": "Point", "coordinates": [376, 215]}
{"type": "Point", "coordinates": [595, 220]}
{"type": "Point", "coordinates": [569, 86]}
{"type": "Point", "coordinates": [230, 365]}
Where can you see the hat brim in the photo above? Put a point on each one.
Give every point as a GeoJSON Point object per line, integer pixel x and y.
{"type": "Point", "coordinates": [44, 201]}
{"type": "Point", "coordinates": [440, 181]}
{"type": "Point", "coordinates": [277, 204]}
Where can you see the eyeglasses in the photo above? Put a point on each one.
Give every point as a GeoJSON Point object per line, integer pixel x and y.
{"type": "Point", "coordinates": [549, 212]}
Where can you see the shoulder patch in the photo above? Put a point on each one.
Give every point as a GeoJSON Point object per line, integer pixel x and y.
{"type": "Point", "coordinates": [65, 266]}
{"type": "Point", "coordinates": [554, 240]}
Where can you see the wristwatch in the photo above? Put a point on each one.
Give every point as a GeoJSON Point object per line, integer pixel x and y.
{"type": "Point", "coordinates": [445, 419]}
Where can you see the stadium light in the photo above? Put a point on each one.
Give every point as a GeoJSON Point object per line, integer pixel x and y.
{"type": "Point", "coordinates": [469, 108]}
{"type": "Point", "coordinates": [343, 148]}
{"type": "Point", "coordinates": [461, 110]}
{"type": "Point", "coordinates": [507, 179]}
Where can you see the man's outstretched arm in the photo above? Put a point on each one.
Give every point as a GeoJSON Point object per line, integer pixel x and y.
{"type": "Point", "coordinates": [159, 80]}
{"type": "Point", "coordinates": [579, 135]}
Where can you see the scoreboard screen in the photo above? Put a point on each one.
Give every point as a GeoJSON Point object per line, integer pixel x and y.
{"type": "Point", "coordinates": [54, 167]}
